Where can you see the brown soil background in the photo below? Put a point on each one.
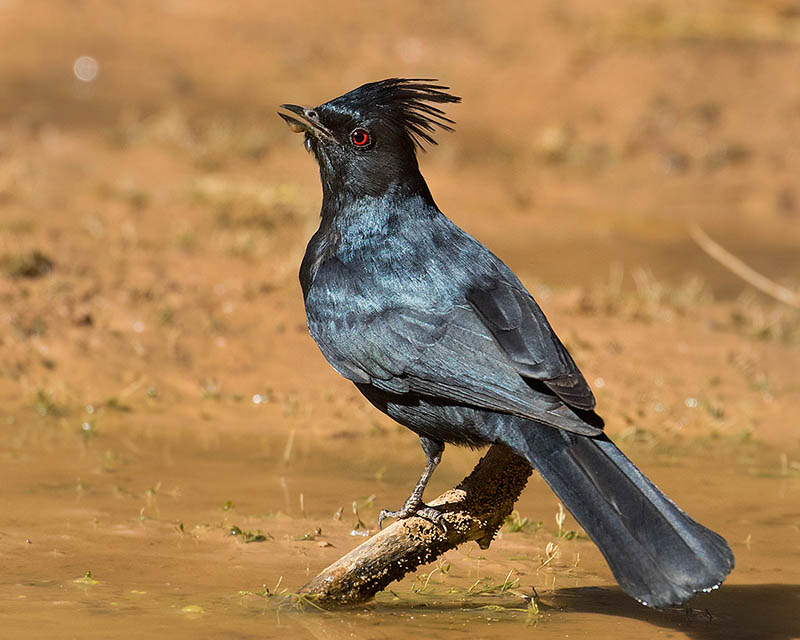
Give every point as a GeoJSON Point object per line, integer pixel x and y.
{"type": "Point", "coordinates": [174, 207]}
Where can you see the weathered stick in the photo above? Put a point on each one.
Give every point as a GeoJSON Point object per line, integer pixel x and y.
{"type": "Point", "coordinates": [474, 510]}
{"type": "Point", "coordinates": [741, 269]}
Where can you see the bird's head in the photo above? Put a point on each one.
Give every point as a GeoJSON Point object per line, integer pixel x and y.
{"type": "Point", "coordinates": [366, 140]}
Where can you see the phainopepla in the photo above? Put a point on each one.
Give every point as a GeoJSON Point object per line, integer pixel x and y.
{"type": "Point", "coordinates": [438, 333]}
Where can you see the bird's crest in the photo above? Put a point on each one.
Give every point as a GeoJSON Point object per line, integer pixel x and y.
{"type": "Point", "coordinates": [405, 102]}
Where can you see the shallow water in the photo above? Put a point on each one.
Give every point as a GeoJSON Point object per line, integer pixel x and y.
{"type": "Point", "coordinates": [151, 519]}
{"type": "Point", "coordinates": [175, 207]}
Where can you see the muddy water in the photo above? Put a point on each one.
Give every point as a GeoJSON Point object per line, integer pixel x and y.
{"type": "Point", "coordinates": [151, 519]}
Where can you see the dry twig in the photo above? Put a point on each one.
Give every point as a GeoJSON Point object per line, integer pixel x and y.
{"type": "Point", "coordinates": [744, 271]}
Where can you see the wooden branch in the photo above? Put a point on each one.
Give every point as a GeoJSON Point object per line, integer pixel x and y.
{"type": "Point", "coordinates": [741, 269]}
{"type": "Point", "coordinates": [474, 510]}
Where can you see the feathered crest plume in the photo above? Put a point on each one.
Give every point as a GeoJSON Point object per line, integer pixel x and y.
{"type": "Point", "coordinates": [408, 101]}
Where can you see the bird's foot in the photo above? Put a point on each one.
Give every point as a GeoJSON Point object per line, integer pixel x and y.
{"type": "Point", "coordinates": [419, 509]}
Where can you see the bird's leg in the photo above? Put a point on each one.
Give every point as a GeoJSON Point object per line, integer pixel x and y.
{"type": "Point", "coordinates": [414, 506]}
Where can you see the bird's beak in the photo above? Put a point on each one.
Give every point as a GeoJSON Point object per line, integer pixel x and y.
{"type": "Point", "coordinates": [304, 120]}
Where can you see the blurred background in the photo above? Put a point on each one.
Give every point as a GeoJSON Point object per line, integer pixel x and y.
{"type": "Point", "coordinates": [154, 211]}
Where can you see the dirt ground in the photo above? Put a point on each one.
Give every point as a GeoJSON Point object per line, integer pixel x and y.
{"type": "Point", "coordinates": [157, 383]}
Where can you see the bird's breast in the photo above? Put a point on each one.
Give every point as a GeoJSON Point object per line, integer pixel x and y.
{"type": "Point", "coordinates": [415, 262]}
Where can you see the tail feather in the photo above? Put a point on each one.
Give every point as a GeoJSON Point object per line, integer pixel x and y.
{"type": "Point", "coordinates": [657, 553]}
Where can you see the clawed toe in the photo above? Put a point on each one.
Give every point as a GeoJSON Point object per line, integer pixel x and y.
{"type": "Point", "coordinates": [389, 514]}
{"type": "Point", "coordinates": [434, 517]}
{"type": "Point", "coordinates": [421, 510]}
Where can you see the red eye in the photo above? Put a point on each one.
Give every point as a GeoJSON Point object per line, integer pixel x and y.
{"type": "Point", "coordinates": [360, 137]}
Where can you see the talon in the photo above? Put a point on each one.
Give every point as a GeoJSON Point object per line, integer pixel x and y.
{"type": "Point", "coordinates": [385, 513]}
{"type": "Point", "coordinates": [434, 516]}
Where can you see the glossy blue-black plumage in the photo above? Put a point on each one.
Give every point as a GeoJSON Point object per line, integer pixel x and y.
{"type": "Point", "coordinates": [438, 333]}
{"type": "Point", "coordinates": [393, 305]}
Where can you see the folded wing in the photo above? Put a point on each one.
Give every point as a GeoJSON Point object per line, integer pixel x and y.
{"type": "Point", "coordinates": [452, 354]}
{"type": "Point", "coordinates": [524, 334]}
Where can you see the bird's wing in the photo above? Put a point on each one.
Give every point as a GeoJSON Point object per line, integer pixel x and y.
{"type": "Point", "coordinates": [524, 334]}
{"type": "Point", "coordinates": [448, 354]}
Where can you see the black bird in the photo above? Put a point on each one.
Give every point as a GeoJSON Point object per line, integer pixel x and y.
{"type": "Point", "coordinates": [438, 333]}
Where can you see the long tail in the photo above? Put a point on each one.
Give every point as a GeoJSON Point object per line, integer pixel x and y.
{"type": "Point", "coordinates": [658, 554]}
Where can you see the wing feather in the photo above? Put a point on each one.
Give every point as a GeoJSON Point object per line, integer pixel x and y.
{"type": "Point", "coordinates": [449, 354]}
{"type": "Point", "coordinates": [523, 332]}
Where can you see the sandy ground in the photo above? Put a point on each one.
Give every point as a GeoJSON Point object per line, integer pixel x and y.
{"type": "Point", "coordinates": [152, 221]}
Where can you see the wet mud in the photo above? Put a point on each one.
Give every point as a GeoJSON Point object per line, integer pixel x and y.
{"type": "Point", "coordinates": [176, 457]}
{"type": "Point", "coordinates": [123, 535]}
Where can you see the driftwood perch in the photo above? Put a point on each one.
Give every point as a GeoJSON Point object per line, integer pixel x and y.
{"type": "Point", "coordinates": [474, 510]}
